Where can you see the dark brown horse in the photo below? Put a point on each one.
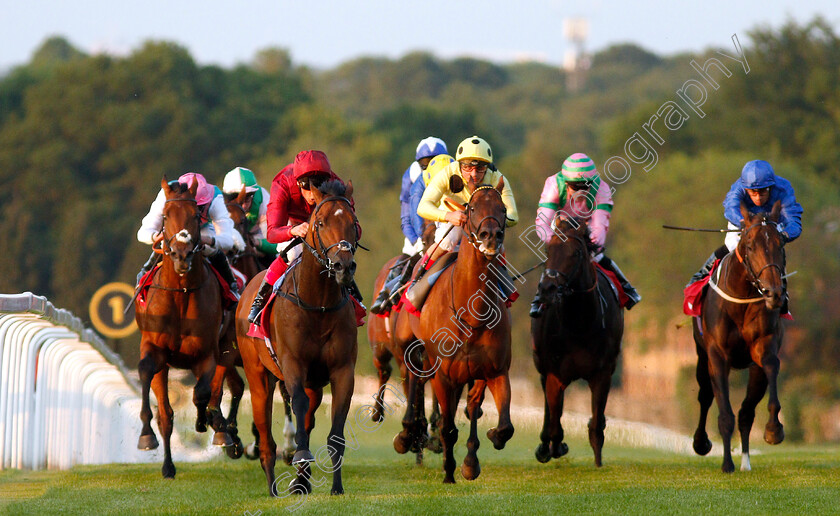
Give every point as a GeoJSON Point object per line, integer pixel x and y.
{"type": "Point", "coordinates": [466, 330]}
{"type": "Point", "coordinates": [578, 336]}
{"type": "Point", "coordinates": [384, 348]}
{"type": "Point", "coordinates": [740, 328]}
{"type": "Point", "coordinates": [312, 329]}
{"type": "Point", "coordinates": [180, 324]}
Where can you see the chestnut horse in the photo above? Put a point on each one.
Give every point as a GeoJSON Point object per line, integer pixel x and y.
{"type": "Point", "coordinates": [384, 348]}
{"type": "Point", "coordinates": [577, 337]}
{"type": "Point", "coordinates": [312, 330]}
{"type": "Point", "coordinates": [179, 325]}
{"type": "Point", "coordinates": [740, 328]}
{"type": "Point", "coordinates": [466, 330]}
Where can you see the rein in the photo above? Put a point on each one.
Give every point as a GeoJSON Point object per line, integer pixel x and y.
{"type": "Point", "coordinates": [564, 289]}
{"type": "Point", "coordinates": [752, 277]}
{"type": "Point", "coordinates": [472, 238]}
{"type": "Point", "coordinates": [165, 241]}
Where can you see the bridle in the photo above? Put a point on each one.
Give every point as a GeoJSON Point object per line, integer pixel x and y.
{"type": "Point", "coordinates": [249, 246]}
{"type": "Point", "coordinates": [565, 289]}
{"type": "Point", "coordinates": [755, 277]}
{"type": "Point", "coordinates": [322, 251]}
{"type": "Point", "coordinates": [195, 239]}
{"type": "Point", "coordinates": [472, 229]}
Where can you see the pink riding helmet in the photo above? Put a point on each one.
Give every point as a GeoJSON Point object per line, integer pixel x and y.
{"type": "Point", "coordinates": [578, 167]}
{"type": "Point", "coordinates": [205, 192]}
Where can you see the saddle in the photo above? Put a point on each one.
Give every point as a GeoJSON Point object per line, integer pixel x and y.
{"type": "Point", "coordinates": [228, 298]}
{"type": "Point", "coordinates": [414, 296]}
{"type": "Point", "coordinates": [617, 289]}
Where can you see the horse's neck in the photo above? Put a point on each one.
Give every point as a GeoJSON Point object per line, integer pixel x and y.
{"type": "Point", "coordinates": [734, 276]}
{"type": "Point", "coordinates": [314, 286]}
{"type": "Point", "coordinates": [192, 279]}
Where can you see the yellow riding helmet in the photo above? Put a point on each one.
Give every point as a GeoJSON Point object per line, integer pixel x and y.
{"type": "Point", "coordinates": [474, 148]}
{"type": "Point", "coordinates": [437, 164]}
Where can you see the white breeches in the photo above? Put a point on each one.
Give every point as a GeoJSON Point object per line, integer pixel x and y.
{"type": "Point", "coordinates": [452, 240]}
{"type": "Point", "coordinates": [732, 238]}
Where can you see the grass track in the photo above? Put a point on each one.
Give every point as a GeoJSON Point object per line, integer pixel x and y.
{"type": "Point", "coordinates": [785, 479]}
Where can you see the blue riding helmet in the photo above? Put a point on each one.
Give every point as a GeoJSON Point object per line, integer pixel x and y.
{"type": "Point", "coordinates": [757, 174]}
{"type": "Point", "coordinates": [430, 147]}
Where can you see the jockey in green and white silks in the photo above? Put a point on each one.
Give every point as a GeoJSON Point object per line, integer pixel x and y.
{"type": "Point", "coordinates": [256, 209]}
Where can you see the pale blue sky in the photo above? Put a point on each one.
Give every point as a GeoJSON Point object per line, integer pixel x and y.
{"type": "Point", "coordinates": [325, 33]}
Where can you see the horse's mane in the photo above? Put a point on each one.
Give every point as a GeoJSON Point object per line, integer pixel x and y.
{"type": "Point", "coordinates": [333, 188]}
{"type": "Point", "coordinates": [179, 188]}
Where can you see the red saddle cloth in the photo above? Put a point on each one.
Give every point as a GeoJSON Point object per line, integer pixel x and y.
{"type": "Point", "coordinates": [694, 294]}
{"type": "Point", "coordinates": [228, 298]}
{"type": "Point", "coordinates": [623, 298]}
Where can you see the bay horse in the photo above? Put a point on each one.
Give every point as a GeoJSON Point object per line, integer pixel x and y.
{"type": "Point", "coordinates": [466, 327]}
{"type": "Point", "coordinates": [313, 342]}
{"type": "Point", "coordinates": [578, 336]}
{"type": "Point", "coordinates": [740, 328]}
{"type": "Point", "coordinates": [247, 262]}
{"type": "Point", "coordinates": [179, 325]}
{"type": "Point", "coordinates": [385, 348]}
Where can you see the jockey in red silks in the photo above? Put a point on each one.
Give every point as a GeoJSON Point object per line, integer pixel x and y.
{"type": "Point", "coordinates": [291, 204]}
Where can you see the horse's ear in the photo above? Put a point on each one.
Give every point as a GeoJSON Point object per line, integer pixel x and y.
{"type": "Point", "coordinates": [348, 192]}
{"type": "Point", "coordinates": [194, 188]}
{"type": "Point", "coordinates": [316, 193]}
{"type": "Point", "coordinates": [500, 185]}
{"type": "Point", "coordinates": [745, 212]}
{"type": "Point", "coordinates": [240, 199]}
{"type": "Point", "coordinates": [164, 185]}
{"type": "Point", "coordinates": [776, 211]}
{"type": "Point", "coordinates": [456, 183]}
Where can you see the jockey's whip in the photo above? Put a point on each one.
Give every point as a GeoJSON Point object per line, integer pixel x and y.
{"type": "Point", "coordinates": [527, 271]}
{"type": "Point", "coordinates": [666, 226]}
{"type": "Point", "coordinates": [138, 288]}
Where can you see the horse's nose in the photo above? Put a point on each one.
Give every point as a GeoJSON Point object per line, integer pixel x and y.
{"type": "Point", "coordinates": [773, 298]}
{"type": "Point", "coordinates": [353, 267]}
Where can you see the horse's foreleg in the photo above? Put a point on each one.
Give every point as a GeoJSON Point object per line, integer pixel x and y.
{"type": "Point", "coordinates": [382, 362]}
{"type": "Point", "coordinates": [160, 384]}
{"type": "Point", "coordinates": [448, 432]}
{"type": "Point", "coordinates": [237, 388]}
{"type": "Point", "coordinates": [719, 374]}
{"type": "Point", "coordinates": [600, 387]}
{"type": "Point", "coordinates": [702, 444]}
{"type": "Point", "coordinates": [404, 441]}
{"type": "Point", "coordinates": [500, 387]}
{"type": "Point", "coordinates": [147, 368]}
{"type": "Point", "coordinates": [341, 385]}
{"type": "Point", "coordinates": [774, 432]}
{"type": "Point", "coordinates": [300, 407]}
{"type": "Point", "coordinates": [755, 391]}
{"type": "Point", "coordinates": [289, 427]}
{"type": "Point", "coordinates": [551, 437]}
{"type": "Point", "coordinates": [433, 444]}
{"type": "Point", "coordinates": [208, 387]}
{"type": "Point", "coordinates": [471, 468]}
{"type": "Point", "coordinates": [261, 385]}
{"type": "Point", "coordinates": [302, 483]}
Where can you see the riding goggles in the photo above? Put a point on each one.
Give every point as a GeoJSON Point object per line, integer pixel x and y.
{"type": "Point", "coordinates": [478, 166]}
{"type": "Point", "coordinates": [305, 183]}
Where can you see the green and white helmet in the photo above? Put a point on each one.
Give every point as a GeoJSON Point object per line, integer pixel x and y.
{"type": "Point", "coordinates": [236, 178]}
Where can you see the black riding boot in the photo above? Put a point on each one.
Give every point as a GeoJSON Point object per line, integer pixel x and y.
{"type": "Point", "coordinates": [150, 263]}
{"type": "Point", "coordinates": [704, 271]}
{"type": "Point", "coordinates": [354, 291]}
{"type": "Point", "coordinates": [383, 301]}
{"type": "Point", "coordinates": [259, 301]}
{"type": "Point", "coordinates": [220, 263]}
{"type": "Point", "coordinates": [625, 283]}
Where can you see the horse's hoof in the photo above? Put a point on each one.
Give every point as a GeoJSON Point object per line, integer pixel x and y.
{"type": "Point", "coordinates": [235, 451]}
{"type": "Point", "coordinates": [702, 444]}
{"type": "Point", "coordinates": [377, 416]}
{"type": "Point", "coordinates": [434, 445]}
{"type": "Point", "coordinates": [200, 427]}
{"type": "Point", "coordinates": [470, 472]}
{"type": "Point", "coordinates": [337, 491]}
{"type": "Point", "coordinates": [559, 449]}
{"type": "Point", "coordinates": [302, 456]}
{"type": "Point", "coordinates": [500, 437]}
{"type": "Point", "coordinates": [222, 439]}
{"type": "Point", "coordinates": [300, 487]}
{"type": "Point", "coordinates": [401, 443]}
{"type": "Point", "coordinates": [168, 470]}
{"type": "Point", "coordinates": [449, 478]}
{"type": "Point", "coordinates": [286, 456]}
{"type": "Point", "coordinates": [728, 467]}
{"type": "Point", "coordinates": [252, 452]}
{"type": "Point", "coordinates": [542, 453]}
{"type": "Point", "coordinates": [147, 442]}
{"type": "Point", "coordinates": [773, 434]}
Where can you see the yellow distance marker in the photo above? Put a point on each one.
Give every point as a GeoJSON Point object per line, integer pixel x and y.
{"type": "Point", "coordinates": [106, 310]}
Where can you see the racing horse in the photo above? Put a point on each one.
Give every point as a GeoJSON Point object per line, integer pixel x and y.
{"type": "Point", "coordinates": [740, 328]}
{"type": "Point", "coordinates": [247, 262]}
{"type": "Point", "coordinates": [578, 336]}
{"type": "Point", "coordinates": [179, 324]}
{"type": "Point", "coordinates": [466, 326]}
{"type": "Point", "coordinates": [312, 333]}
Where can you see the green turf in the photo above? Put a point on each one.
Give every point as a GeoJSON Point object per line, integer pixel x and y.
{"type": "Point", "coordinates": [786, 479]}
